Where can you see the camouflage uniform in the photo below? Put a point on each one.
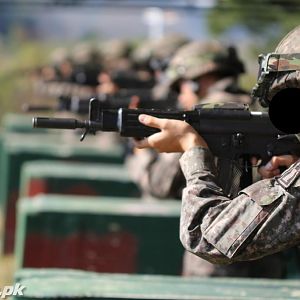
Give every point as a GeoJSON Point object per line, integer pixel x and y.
{"type": "Point", "coordinates": [252, 225]}
{"type": "Point", "coordinates": [159, 175]}
{"type": "Point", "coordinates": [265, 217]}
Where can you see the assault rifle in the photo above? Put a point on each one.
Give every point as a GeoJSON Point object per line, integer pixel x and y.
{"type": "Point", "coordinates": [122, 99]}
{"type": "Point", "coordinates": [233, 133]}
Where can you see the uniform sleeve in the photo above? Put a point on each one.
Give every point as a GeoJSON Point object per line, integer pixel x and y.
{"type": "Point", "coordinates": [263, 219]}
{"type": "Point", "coordinates": [157, 175]}
{"type": "Point", "coordinates": [165, 177]}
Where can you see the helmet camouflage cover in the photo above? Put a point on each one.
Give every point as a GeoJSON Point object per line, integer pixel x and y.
{"type": "Point", "coordinates": [159, 50]}
{"type": "Point", "coordinates": [199, 58]}
{"type": "Point", "coordinates": [279, 70]}
{"type": "Point", "coordinates": [85, 53]}
{"type": "Point", "coordinates": [115, 48]}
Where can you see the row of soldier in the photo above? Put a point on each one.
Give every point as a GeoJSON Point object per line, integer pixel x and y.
{"type": "Point", "coordinates": [189, 73]}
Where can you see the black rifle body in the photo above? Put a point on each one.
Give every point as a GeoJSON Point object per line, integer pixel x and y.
{"type": "Point", "coordinates": [230, 131]}
{"type": "Point", "coordinates": [233, 133]}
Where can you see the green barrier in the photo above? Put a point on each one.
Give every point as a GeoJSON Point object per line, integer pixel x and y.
{"type": "Point", "coordinates": [18, 148]}
{"type": "Point", "coordinates": [106, 235]}
{"type": "Point", "coordinates": [48, 177]}
{"type": "Point", "coordinates": [19, 123]}
{"type": "Point", "coordinates": [71, 284]}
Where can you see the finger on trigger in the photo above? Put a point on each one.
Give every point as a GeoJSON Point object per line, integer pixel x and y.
{"type": "Point", "coordinates": [144, 143]}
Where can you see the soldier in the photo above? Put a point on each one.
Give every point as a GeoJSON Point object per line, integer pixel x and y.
{"type": "Point", "coordinates": [119, 72]}
{"type": "Point", "coordinates": [203, 73]}
{"type": "Point", "coordinates": [265, 217]}
{"type": "Point", "coordinates": [116, 54]}
{"type": "Point", "coordinates": [206, 72]}
{"type": "Point", "coordinates": [87, 64]}
{"type": "Point", "coordinates": [155, 54]}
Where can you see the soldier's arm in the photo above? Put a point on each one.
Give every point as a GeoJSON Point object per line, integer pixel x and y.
{"type": "Point", "coordinates": [165, 179]}
{"type": "Point", "coordinates": [263, 219]}
{"type": "Point", "coordinates": [157, 175]}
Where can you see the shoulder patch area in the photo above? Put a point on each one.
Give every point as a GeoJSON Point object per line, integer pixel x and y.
{"type": "Point", "coordinates": [263, 192]}
{"type": "Point", "coordinates": [289, 176]}
{"type": "Point", "coordinates": [297, 182]}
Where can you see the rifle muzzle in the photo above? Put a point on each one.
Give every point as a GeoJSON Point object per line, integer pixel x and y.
{"type": "Point", "coordinates": [59, 123]}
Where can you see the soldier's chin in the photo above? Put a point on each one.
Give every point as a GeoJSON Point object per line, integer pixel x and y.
{"type": "Point", "coordinates": [284, 110]}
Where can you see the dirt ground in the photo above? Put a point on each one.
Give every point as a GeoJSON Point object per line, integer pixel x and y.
{"type": "Point", "coordinates": [6, 270]}
{"type": "Point", "coordinates": [6, 263]}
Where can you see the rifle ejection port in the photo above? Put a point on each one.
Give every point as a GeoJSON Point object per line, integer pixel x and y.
{"type": "Point", "coordinates": [237, 139]}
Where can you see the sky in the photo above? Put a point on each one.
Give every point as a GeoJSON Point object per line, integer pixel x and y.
{"type": "Point", "coordinates": [74, 23]}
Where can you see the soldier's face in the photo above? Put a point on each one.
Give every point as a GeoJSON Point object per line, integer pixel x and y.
{"type": "Point", "coordinates": [187, 96]}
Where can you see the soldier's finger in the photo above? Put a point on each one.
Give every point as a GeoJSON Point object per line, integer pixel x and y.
{"type": "Point", "coordinates": [268, 174]}
{"type": "Point", "coordinates": [141, 144]}
{"type": "Point", "coordinates": [276, 172]}
{"type": "Point", "coordinates": [283, 160]}
{"type": "Point", "coordinates": [255, 161]}
{"type": "Point", "coordinates": [151, 121]}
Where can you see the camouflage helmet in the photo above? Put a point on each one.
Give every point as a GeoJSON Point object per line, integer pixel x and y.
{"type": "Point", "coordinates": [279, 70]}
{"type": "Point", "coordinates": [156, 53]}
{"type": "Point", "coordinates": [58, 56]}
{"type": "Point", "coordinates": [290, 43]}
{"type": "Point", "coordinates": [116, 54]}
{"type": "Point", "coordinates": [196, 59]}
{"type": "Point", "coordinates": [115, 48]}
{"type": "Point", "coordinates": [278, 85]}
{"type": "Point", "coordinates": [85, 54]}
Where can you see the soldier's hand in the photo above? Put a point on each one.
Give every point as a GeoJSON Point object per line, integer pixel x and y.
{"type": "Point", "coordinates": [271, 169]}
{"type": "Point", "coordinates": [175, 135]}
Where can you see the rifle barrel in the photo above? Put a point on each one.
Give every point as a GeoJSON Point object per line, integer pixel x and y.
{"type": "Point", "coordinates": [58, 123]}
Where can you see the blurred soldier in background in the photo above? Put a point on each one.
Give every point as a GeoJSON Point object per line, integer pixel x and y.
{"type": "Point", "coordinates": [116, 54]}
{"type": "Point", "coordinates": [60, 69]}
{"type": "Point", "coordinates": [145, 65]}
{"type": "Point", "coordinates": [87, 64]}
{"type": "Point", "coordinates": [116, 58]}
{"type": "Point", "coordinates": [197, 72]}
{"type": "Point", "coordinates": [206, 73]}
{"type": "Point", "coordinates": [152, 57]}
{"type": "Point", "coordinates": [201, 73]}
{"type": "Point", "coordinates": [70, 72]}
{"type": "Point", "coordinates": [114, 68]}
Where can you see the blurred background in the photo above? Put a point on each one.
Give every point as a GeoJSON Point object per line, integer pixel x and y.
{"type": "Point", "coordinates": [37, 34]}
{"type": "Point", "coordinates": [30, 30]}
